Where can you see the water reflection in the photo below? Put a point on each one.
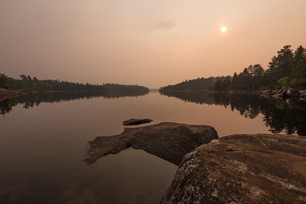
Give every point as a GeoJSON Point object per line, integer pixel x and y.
{"type": "Point", "coordinates": [279, 116]}
{"type": "Point", "coordinates": [29, 101]}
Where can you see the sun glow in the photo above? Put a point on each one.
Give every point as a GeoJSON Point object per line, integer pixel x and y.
{"type": "Point", "coordinates": [223, 29]}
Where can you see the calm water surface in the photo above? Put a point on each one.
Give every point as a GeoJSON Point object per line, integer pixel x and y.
{"type": "Point", "coordinates": [42, 148]}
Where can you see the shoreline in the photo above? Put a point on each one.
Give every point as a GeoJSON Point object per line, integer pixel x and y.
{"type": "Point", "coordinates": [9, 94]}
{"type": "Point", "coordinates": [6, 94]}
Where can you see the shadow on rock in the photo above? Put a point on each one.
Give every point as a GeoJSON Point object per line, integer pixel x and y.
{"type": "Point", "coordinates": [169, 141]}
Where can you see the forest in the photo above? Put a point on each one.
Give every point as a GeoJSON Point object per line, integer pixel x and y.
{"type": "Point", "coordinates": [286, 69]}
{"type": "Point", "coordinates": [32, 84]}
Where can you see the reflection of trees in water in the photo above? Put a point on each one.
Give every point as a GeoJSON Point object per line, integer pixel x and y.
{"type": "Point", "coordinates": [5, 106]}
{"type": "Point", "coordinates": [29, 101]}
{"type": "Point", "coordinates": [290, 118]}
{"type": "Point", "coordinates": [278, 115]}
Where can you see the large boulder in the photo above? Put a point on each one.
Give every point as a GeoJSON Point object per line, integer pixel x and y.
{"type": "Point", "coordinates": [169, 141]}
{"type": "Point", "coordinates": [243, 169]}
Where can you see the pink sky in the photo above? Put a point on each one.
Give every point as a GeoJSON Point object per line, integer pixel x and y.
{"type": "Point", "coordinates": [151, 43]}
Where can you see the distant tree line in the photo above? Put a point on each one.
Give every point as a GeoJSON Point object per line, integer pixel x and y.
{"type": "Point", "coordinates": [286, 69]}
{"type": "Point", "coordinates": [199, 84]}
{"type": "Point", "coordinates": [32, 84]}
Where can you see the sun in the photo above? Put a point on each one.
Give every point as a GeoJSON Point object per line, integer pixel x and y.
{"type": "Point", "coordinates": [223, 29]}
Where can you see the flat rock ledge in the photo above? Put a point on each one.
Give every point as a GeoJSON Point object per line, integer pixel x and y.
{"type": "Point", "coordinates": [169, 141]}
{"type": "Point", "coordinates": [242, 169]}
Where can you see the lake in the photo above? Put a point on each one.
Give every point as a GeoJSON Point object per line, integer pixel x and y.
{"type": "Point", "coordinates": [44, 141]}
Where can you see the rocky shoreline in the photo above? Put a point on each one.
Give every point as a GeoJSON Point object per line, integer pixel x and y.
{"type": "Point", "coordinates": [8, 94]}
{"type": "Point", "coordinates": [260, 168]}
{"type": "Point", "coordinates": [289, 93]}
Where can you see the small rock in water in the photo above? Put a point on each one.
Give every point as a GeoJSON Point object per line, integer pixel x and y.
{"type": "Point", "coordinates": [134, 121]}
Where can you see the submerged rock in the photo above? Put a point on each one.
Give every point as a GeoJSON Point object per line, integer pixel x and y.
{"type": "Point", "coordinates": [169, 141]}
{"type": "Point", "coordinates": [243, 169]}
{"type": "Point", "coordinates": [134, 121]}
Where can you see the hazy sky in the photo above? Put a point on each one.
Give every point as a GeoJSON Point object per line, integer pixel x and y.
{"type": "Point", "coordinates": [148, 42]}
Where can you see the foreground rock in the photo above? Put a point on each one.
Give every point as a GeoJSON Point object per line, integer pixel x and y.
{"type": "Point", "coordinates": [134, 121]}
{"type": "Point", "coordinates": [169, 141]}
{"type": "Point", "coordinates": [243, 169]}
